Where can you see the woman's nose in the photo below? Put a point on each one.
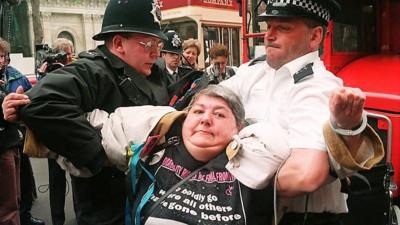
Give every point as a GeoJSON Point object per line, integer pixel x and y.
{"type": "Point", "coordinates": [206, 119]}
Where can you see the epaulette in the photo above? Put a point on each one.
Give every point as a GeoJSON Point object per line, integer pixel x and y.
{"type": "Point", "coordinates": [304, 72]}
{"type": "Point", "coordinates": [91, 55]}
{"type": "Point", "coordinates": [258, 59]}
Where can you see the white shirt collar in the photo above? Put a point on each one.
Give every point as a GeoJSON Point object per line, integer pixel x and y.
{"type": "Point", "coordinates": [171, 71]}
{"type": "Point", "coordinates": [295, 65]}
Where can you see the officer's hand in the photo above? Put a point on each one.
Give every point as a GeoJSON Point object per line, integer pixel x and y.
{"type": "Point", "coordinates": [346, 106]}
{"type": "Point", "coordinates": [11, 104]}
{"type": "Point", "coordinates": [2, 82]}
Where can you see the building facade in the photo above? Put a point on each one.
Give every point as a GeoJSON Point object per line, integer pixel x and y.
{"type": "Point", "coordinates": [209, 21]}
{"type": "Point", "coordinates": [76, 20]}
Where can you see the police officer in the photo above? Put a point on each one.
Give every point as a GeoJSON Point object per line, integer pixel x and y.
{"type": "Point", "coordinates": [118, 73]}
{"type": "Point", "coordinates": [290, 86]}
{"type": "Point", "coordinates": [171, 54]}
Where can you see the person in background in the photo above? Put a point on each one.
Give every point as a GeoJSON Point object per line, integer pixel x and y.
{"type": "Point", "coordinates": [171, 54]}
{"type": "Point", "coordinates": [191, 52]}
{"type": "Point", "coordinates": [60, 46]}
{"type": "Point", "coordinates": [218, 70]}
{"type": "Point", "coordinates": [10, 194]}
{"type": "Point", "coordinates": [10, 141]}
{"type": "Point", "coordinates": [65, 45]}
{"type": "Point", "coordinates": [11, 79]}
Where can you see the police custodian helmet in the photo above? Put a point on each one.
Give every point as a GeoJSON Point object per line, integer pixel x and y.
{"type": "Point", "coordinates": [127, 16]}
{"type": "Point", "coordinates": [319, 10]}
{"type": "Point", "coordinates": [173, 44]}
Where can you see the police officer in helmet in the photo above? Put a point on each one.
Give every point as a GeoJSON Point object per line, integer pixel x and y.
{"type": "Point", "coordinates": [118, 73]}
{"type": "Point", "coordinates": [171, 55]}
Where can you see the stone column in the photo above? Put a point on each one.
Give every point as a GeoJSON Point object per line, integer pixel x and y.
{"type": "Point", "coordinates": [88, 31]}
{"type": "Point", "coordinates": [47, 28]}
{"type": "Point", "coordinates": [97, 21]}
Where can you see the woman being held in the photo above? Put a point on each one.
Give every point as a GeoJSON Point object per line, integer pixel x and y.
{"type": "Point", "coordinates": [196, 140]}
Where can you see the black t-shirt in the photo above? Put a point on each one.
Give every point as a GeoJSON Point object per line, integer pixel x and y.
{"type": "Point", "coordinates": [212, 196]}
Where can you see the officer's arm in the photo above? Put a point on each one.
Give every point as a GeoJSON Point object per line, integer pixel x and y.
{"type": "Point", "coordinates": [304, 171]}
{"type": "Point", "coordinates": [307, 169]}
{"type": "Point", "coordinates": [55, 115]}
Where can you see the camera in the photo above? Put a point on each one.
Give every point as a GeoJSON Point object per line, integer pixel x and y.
{"type": "Point", "coordinates": [54, 58]}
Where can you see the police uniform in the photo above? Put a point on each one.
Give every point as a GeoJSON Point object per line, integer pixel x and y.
{"type": "Point", "coordinates": [174, 46]}
{"type": "Point", "coordinates": [98, 80]}
{"type": "Point", "coordinates": [295, 97]}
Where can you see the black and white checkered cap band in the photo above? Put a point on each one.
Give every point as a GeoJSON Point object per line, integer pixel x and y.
{"type": "Point", "coordinates": [308, 5]}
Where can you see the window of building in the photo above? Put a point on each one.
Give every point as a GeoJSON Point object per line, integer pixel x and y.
{"type": "Point", "coordinates": [185, 29]}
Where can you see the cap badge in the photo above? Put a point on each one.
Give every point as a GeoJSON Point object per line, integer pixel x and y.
{"type": "Point", "coordinates": [274, 12]}
{"type": "Point", "coordinates": [176, 41]}
{"type": "Point", "coordinates": [279, 4]}
{"type": "Point", "coordinates": [156, 11]}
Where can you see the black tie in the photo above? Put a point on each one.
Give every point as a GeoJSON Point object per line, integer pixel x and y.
{"type": "Point", "coordinates": [175, 76]}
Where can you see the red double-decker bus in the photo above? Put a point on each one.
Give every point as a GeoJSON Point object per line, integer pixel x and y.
{"type": "Point", "coordinates": [363, 48]}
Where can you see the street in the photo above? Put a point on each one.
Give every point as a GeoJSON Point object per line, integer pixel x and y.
{"type": "Point", "coordinates": [41, 206]}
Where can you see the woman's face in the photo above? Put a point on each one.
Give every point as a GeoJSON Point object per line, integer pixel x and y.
{"type": "Point", "coordinates": [208, 128]}
{"type": "Point", "coordinates": [190, 55]}
{"type": "Point", "coordinates": [3, 60]}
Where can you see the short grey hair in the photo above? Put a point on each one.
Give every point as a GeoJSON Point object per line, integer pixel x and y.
{"type": "Point", "coordinates": [226, 94]}
{"type": "Point", "coordinates": [61, 44]}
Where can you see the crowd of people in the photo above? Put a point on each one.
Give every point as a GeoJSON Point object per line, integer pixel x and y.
{"type": "Point", "coordinates": [241, 136]}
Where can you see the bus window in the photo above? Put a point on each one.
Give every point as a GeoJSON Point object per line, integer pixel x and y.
{"type": "Point", "coordinates": [355, 28]}
{"type": "Point", "coordinates": [185, 29]}
{"type": "Point", "coordinates": [229, 36]}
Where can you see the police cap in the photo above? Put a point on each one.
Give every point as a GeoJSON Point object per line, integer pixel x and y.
{"type": "Point", "coordinates": [319, 10]}
{"type": "Point", "coordinates": [173, 44]}
{"type": "Point", "coordinates": [131, 16]}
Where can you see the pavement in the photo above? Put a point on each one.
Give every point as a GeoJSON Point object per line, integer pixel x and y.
{"type": "Point", "coordinates": [41, 206]}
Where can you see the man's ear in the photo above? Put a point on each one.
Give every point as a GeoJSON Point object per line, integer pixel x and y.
{"type": "Point", "coordinates": [117, 43]}
{"type": "Point", "coordinates": [316, 38]}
